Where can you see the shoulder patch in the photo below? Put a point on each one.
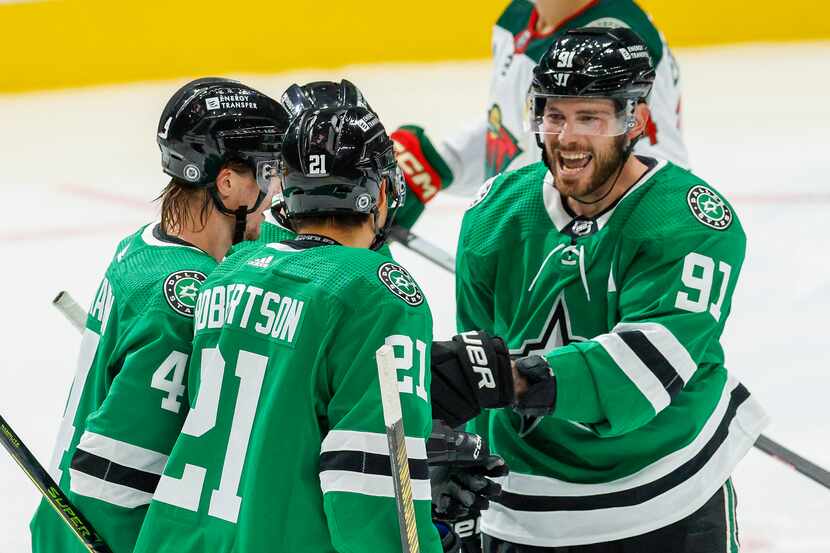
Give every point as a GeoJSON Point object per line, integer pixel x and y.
{"type": "Point", "coordinates": [400, 282]}
{"type": "Point", "coordinates": [709, 208]}
{"type": "Point", "coordinates": [181, 290]}
{"type": "Point", "coordinates": [483, 191]}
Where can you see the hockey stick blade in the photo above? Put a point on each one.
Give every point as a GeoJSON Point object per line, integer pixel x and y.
{"type": "Point", "coordinates": [398, 458]}
{"type": "Point", "coordinates": [79, 525]}
{"type": "Point", "coordinates": [74, 313]}
{"type": "Point", "coordinates": [423, 248]}
{"type": "Point", "coordinates": [796, 461]}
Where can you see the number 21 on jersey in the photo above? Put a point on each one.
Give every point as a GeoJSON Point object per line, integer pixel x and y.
{"type": "Point", "coordinates": [186, 492]}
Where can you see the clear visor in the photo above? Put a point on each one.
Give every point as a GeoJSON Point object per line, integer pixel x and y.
{"type": "Point", "coordinates": [268, 173]}
{"type": "Point", "coordinates": [555, 115]}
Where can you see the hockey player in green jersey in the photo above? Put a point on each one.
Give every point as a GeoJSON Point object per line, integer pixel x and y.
{"type": "Point", "coordinates": [296, 99]}
{"type": "Point", "coordinates": [610, 275]}
{"type": "Point", "coordinates": [220, 143]}
{"type": "Point", "coordinates": [284, 449]}
{"type": "Point", "coordinates": [498, 140]}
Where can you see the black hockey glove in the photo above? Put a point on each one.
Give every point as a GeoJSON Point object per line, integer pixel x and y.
{"type": "Point", "coordinates": [471, 372]}
{"type": "Point", "coordinates": [460, 472]}
{"type": "Point", "coordinates": [540, 397]}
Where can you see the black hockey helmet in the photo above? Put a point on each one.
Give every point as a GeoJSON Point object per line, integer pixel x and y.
{"type": "Point", "coordinates": [336, 160]}
{"type": "Point", "coordinates": [211, 121]}
{"type": "Point", "coordinates": [322, 94]}
{"type": "Point", "coordinates": [593, 62]}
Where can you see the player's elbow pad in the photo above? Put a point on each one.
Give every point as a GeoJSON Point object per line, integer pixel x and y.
{"type": "Point", "coordinates": [471, 372]}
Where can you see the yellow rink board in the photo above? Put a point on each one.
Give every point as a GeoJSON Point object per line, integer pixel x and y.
{"type": "Point", "coordinates": [54, 44]}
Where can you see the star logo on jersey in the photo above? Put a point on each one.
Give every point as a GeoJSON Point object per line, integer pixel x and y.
{"type": "Point", "coordinates": [556, 332]}
{"type": "Point", "coordinates": [502, 146]}
{"type": "Point", "coordinates": [709, 208]}
{"type": "Point", "coordinates": [181, 290]}
{"type": "Point", "coordinates": [400, 283]}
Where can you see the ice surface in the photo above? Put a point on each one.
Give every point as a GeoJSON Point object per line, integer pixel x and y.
{"type": "Point", "coordinates": [78, 170]}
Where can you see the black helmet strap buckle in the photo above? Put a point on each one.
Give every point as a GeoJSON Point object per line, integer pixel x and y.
{"type": "Point", "coordinates": [240, 214]}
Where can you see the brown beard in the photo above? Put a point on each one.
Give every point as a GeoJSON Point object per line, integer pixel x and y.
{"type": "Point", "coordinates": [606, 164]}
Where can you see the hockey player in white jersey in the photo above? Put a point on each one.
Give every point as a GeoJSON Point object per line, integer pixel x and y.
{"type": "Point", "coordinates": [498, 140]}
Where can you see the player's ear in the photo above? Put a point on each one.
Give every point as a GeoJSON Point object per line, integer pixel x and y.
{"type": "Point", "coordinates": [642, 115]}
{"type": "Point", "coordinates": [224, 182]}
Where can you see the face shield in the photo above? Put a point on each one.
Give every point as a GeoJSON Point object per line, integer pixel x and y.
{"type": "Point", "coordinates": [579, 115]}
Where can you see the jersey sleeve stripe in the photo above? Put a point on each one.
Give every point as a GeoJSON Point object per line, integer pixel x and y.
{"type": "Point", "coordinates": [369, 463]}
{"type": "Point", "coordinates": [370, 442]}
{"type": "Point", "coordinates": [116, 494]}
{"type": "Point", "coordinates": [370, 484]}
{"type": "Point", "coordinates": [358, 462]}
{"type": "Point", "coordinates": [98, 467]}
{"type": "Point", "coordinates": [667, 344]}
{"type": "Point", "coordinates": [122, 453]}
{"type": "Point", "coordinates": [653, 359]}
{"type": "Point", "coordinates": [638, 372]}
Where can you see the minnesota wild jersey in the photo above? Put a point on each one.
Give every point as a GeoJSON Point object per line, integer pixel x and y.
{"type": "Point", "coordinates": [284, 448]}
{"type": "Point", "coordinates": [500, 141]}
{"type": "Point", "coordinates": [628, 308]}
{"type": "Point", "coordinates": [127, 402]}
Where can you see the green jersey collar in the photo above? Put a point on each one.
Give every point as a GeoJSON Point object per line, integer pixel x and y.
{"type": "Point", "coordinates": [561, 217]}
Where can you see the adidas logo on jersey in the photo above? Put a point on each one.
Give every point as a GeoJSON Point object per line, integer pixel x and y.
{"type": "Point", "coordinates": [261, 262]}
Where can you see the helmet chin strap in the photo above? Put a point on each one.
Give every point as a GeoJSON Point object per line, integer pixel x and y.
{"type": "Point", "coordinates": [240, 214]}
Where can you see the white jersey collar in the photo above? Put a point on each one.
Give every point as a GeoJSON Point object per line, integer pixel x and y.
{"type": "Point", "coordinates": [149, 238]}
{"type": "Point", "coordinates": [559, 215]}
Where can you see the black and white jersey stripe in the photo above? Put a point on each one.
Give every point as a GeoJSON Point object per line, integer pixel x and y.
{"type": "Point", "coordinates": [652, 358]}
{"type": "Point", "coordinates": [114, 471]}
{"type": "Point", "coordinates": [358, 462]}
{"type": "Point", "coordinates": [657, 495]}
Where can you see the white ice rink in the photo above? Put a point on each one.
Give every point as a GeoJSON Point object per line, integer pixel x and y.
{"type": "Point", "coordinates": [78, 171]}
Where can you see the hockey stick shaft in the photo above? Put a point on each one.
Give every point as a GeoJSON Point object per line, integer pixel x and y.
{"type": "Point", "coordinates": [423, 248]}
{"type": "Point", "coordinates": [398, 458]}
{"type": "Point", "coordinates": [79, 525]}
{"type": "Point", "coordinates": [796, 461]}
{"type": "Point", "coordinates": [764, 443]}
{"type": "Point", "coordinates": [70, 309]}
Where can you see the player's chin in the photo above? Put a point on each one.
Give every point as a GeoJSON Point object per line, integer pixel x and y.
{"type": "Point", "coordinates": [574, 185]}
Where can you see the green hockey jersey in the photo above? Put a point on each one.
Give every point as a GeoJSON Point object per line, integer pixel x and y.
{"type": "Point", "coordinates": [284, 448]}
{"type": "Point", "coordinates": [500, 141]}
{"type": "Point", "coordinates": [272, 232]}
{"type": "Point", "coordinates": [628, 308]}
{"type": "Point", "coordinates": [127, 402]}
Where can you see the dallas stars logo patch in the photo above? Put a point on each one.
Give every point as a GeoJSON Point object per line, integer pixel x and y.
{"type": "Point", "coordinates": [181, 289]}
{"type": "Point", "coordinates": [709, 208]}
{"type": "Point", "coordinates": [400, 283]}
